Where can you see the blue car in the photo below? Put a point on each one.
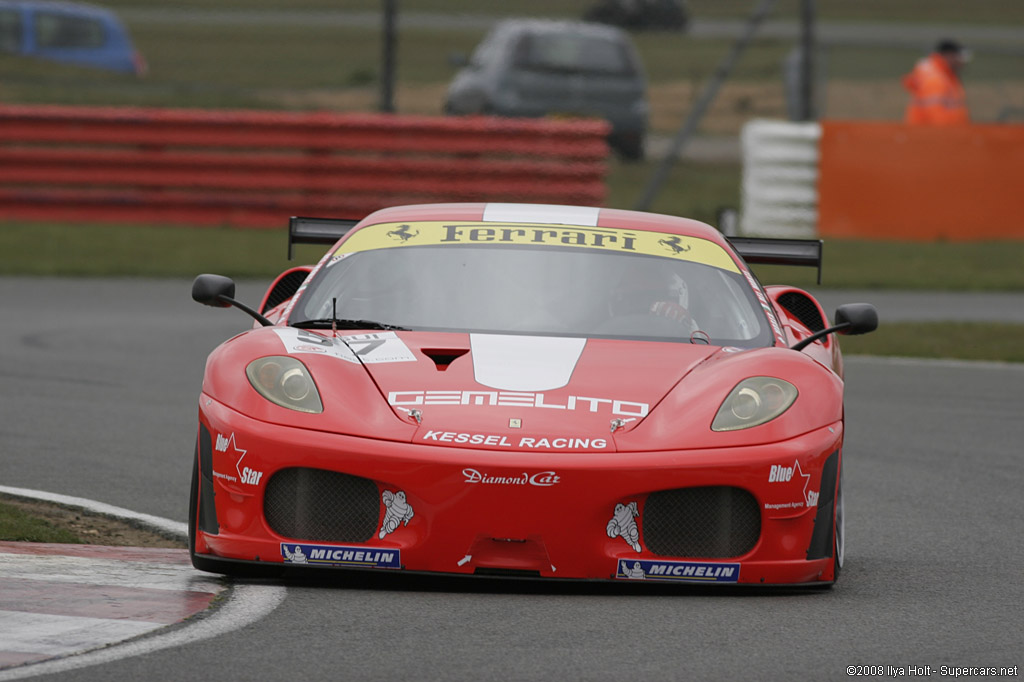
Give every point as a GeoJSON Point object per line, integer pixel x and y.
{"type": "Point", "coordinates": [68, 32]}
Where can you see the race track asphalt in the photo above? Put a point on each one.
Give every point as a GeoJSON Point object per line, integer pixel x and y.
{"type": "Point", "coordinates": [100, 379]}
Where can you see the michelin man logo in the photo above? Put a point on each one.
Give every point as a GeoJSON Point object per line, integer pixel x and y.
{"type": "Point", "coordinates": [296, 557]}
{"type": "Point", "coordinates": [634, 573]}
{"type": "Point", "coordinates": [398, 512]}
{"type": "Point", "coordinates": [622, 525]}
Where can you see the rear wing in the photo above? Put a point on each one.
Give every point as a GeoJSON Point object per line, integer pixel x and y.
{"type": "Point", "coordinates": [772, 251]}
{"type": "Point", "coordinates": [317, 230]}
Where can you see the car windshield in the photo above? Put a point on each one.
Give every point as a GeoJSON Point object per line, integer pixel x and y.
{"type": "Point", "coordinates": [535, 289]}
{"type": "Point", "coordinates": [574, 53]}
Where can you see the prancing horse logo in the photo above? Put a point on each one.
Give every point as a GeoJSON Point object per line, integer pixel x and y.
{"type": "Point", "coordinates": [403, 233]}
{"type": "Point", "coordinates": [674, 245]}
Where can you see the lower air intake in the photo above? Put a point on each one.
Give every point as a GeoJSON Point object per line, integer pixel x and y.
{"type": "Point", "coordinates": [323, 506]}
{"type": "Point", "coordinates": [507, 573]}
{"type": "Point", "coordinates": [714, 522]}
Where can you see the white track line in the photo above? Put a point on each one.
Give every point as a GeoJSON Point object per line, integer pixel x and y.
{"type": "Point", "coordinates": [90, 571]}
{"type": "Point", "coordinates": [53, 635]}
{"type": "Point", "coordinates": [244, 604]}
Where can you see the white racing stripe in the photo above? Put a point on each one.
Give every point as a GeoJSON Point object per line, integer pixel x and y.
{"type": "Point", "coordinates": [524, 363]}
{"type": "Point", "coordinates": [541, 213]}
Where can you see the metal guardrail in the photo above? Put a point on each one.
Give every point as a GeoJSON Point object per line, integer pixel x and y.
{"type": "Point", "coordinates": [254, 168]}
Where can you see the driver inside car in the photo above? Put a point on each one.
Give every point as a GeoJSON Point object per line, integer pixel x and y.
{"type": "Point", "coordinates": [655, 290]}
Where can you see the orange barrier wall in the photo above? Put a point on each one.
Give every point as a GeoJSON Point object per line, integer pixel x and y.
{"type": "Point", "coordinates": [254, 169]}
{"type": "Point", "coordinates": [892, 181]}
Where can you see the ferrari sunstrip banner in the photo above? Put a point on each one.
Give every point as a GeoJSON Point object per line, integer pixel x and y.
{"type": "Point", "coordinates": [432, 233]}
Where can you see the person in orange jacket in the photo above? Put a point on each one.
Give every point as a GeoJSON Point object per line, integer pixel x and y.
{"type": "Point", "coordinates": [936, 93]}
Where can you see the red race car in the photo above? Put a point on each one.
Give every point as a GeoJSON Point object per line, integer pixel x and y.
{"type": "Point", "coordinates": [526, 390]}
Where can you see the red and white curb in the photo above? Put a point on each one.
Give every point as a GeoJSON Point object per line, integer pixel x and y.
{"type": "Point", "coordinates": [68, 606]}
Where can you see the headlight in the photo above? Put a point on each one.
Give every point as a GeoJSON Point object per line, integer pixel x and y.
{"type": "Point", "coordinates": [286, 382]}
{"type": "Point", "coordinates": [754, 401]}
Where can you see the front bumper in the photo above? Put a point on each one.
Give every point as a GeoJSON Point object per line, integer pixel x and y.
{"type": "Point", "coordinates": [291, 497]}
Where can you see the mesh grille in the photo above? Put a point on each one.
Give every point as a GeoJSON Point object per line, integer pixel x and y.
{"type": "Point", "coordinates": [313, 504]}
{"type": "Point", "coordinates": [711, 522]}
{"type": "Point", "coordinates": [284, 290]}
{"type": "Point", "coordinates": [803, 309]}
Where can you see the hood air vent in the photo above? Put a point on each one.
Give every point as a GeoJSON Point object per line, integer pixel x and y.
{"type": "Point", "coordinates": [443, 357]}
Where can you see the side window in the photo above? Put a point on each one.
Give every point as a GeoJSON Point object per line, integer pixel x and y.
{"type": "Point", "coordinates": [67, 31]}
{"type": "Point", "coordinates": [522, 51]}
{"type": "Point", "coordinates": [483, 54]}
{"type": "Point", "coordinates": [606, 56]}
{"type": "Point", "coordinates": [10, 30]}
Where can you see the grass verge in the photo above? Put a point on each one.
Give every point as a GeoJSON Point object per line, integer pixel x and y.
{"type": "Point", "coordinates": [937, 11]}
{"type": "Point", "coordinates": [17, 525]}
{"type": "Point", "coordinates": [947, 340]}
{"type": "Point", "coordinates": [30, 520]}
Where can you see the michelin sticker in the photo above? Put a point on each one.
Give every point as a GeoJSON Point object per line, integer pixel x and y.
{"type": "Point", "coordinates": [296, 556]}
{"type": "Point", "coordinates": [622, 525]}
{"type": "Point", "coordinates": [677, 571]}
{"type": "Point", "coordinates": [399, 511]}
{"type": "Point", "coordinates": [632, 572]}
{"type": "Point", "coordinates": [338, 555]}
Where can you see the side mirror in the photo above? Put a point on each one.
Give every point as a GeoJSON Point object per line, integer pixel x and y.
{"type": "Point", "coordinates": [218, 291]}
{"type": "Point", "coordinates": [212, 290]}
{"type": "Point", "coordinates": [856, 318]}
{"type": "Point", "coordinates": [851, 319]}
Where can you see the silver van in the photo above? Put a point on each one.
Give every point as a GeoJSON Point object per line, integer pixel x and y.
{"type": "Point", "coordinates": [527, 67]}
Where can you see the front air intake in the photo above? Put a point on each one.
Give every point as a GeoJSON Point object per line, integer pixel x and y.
{"type": "Point", "coordinates": [802, 308]}
{"type": "Point", "coordinates": [284, 289]}
{"type": "Point", "coordinates": [321, 506]}
{"type": "Point", "coordinates": [714, 522]}
{"type": "Point", "coordinates": [506, 572]}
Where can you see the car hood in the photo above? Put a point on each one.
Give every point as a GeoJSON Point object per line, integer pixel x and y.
{"type": "Point", "coordinates": [479, 386]}
{"type": "Point", "coordinates": [506, 392]}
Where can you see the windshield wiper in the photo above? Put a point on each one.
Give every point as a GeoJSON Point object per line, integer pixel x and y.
{"type": "Point", "coordinates": [328, 323]}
